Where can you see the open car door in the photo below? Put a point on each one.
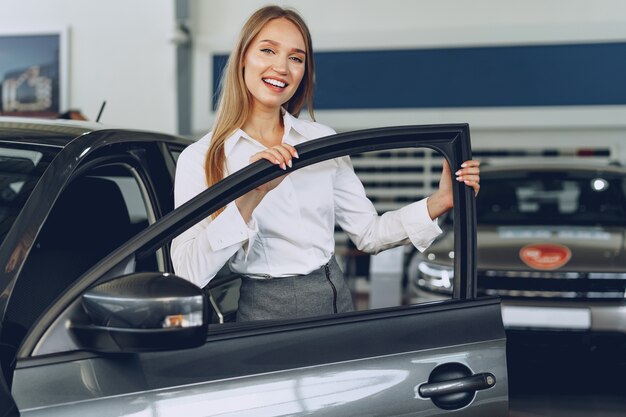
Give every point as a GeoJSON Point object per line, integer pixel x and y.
{"type": "Point", "coordinates": [440, 358]}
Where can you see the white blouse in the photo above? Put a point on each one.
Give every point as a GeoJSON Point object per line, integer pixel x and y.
{"type": "Point", "coordinates": [292, 229]}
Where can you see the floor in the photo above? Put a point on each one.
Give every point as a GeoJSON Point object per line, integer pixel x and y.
{"type": "Point", "coordinates": [570, 375]}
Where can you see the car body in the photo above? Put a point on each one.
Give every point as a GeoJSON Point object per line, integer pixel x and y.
{"type": "Point", "coordinates": [95, 322]}
{"type": "Point", "coordinates": [551, 240]}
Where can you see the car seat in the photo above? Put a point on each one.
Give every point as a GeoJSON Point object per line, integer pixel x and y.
{"type": "Point", "coordinates": [88, 221]}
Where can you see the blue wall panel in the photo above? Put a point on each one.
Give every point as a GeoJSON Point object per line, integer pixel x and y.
{"type": "Point", "coordinates": [537, 75]}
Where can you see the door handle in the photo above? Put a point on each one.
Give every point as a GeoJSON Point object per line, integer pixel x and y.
{"type": "Point", "coordinates": [454, 386]}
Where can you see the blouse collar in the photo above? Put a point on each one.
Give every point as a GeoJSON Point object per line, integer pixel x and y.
{"type": "Point", "coordinates": [289, 121]}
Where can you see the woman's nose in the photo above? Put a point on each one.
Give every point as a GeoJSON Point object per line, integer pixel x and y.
{"type": "Point", "coordinates": [280, 65]}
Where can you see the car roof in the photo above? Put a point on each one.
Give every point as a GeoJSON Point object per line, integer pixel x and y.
{"type": "Point", "coordinates": [53, 132]}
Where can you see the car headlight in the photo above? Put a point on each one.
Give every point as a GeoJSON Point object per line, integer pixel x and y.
{"type": "Point", "coordinates": [433, 277]}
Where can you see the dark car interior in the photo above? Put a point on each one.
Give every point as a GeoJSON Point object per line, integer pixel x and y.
{"type": "Point", "coordinates": [65, 247]}
{"type": "Point", "coordinates": [20, 170]}
{"type": "Point", "coordinates": [89, 220]}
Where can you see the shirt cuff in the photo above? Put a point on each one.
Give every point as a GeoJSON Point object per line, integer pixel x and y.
{"type": "Point", "coordinates": [253, 230]}
{"type": "Point", "coordinates": [229, 229]}
{"type": "Point", "coordinates": [420, 228]}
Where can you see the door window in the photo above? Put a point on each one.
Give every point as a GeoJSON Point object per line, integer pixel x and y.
{"type": "Point", "coordinates": [389, 286]}
{"type": "Point", "coordinates": [392, 180]}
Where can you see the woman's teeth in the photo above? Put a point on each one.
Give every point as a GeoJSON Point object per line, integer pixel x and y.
{"type": "Point", "coordinates": [275, 83]}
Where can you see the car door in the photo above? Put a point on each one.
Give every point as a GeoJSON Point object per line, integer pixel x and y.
{"type": "Point", "coordinates": [417, 360]}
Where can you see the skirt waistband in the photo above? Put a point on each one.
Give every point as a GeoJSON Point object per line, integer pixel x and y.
{"type": "Point", "coordinates": [321, 269]}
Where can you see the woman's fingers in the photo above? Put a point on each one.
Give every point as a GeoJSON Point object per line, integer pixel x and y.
{"type": "Point", "coordinates": [470, 174]}
{"type": "Point", "coordinates": [276, 157]}
{"type": "Point", "coordinates": [291, 150]}
{"type": "Point", "coordinates": [280, 155]}
{"type": "Point", "coordinates": [469, 170]}
{"type": "Point", "coordinates": [271, 155]}
{"type": "Point", "coordinates": [285, 156]}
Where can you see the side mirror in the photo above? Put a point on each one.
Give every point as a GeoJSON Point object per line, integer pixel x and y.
{"type": "Point", "coordinates": [141, 312]}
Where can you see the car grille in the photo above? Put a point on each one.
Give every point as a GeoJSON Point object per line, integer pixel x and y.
{"type": "Point", "coordinates": [540, 284]}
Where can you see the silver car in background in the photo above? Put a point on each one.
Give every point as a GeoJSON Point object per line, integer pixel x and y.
{"type": "Point", "coordinates": [551, 242]}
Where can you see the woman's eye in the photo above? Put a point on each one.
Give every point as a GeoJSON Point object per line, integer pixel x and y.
{"type": "Point", "coordinates": [267, 51]}
{"type": "Point", "coordinates": [297, 59]}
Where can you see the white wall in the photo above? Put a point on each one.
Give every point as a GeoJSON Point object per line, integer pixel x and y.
{"type": "Point", "coordinates": [376, 24]}
{"type": "Point", "coordinates": [119, 52]}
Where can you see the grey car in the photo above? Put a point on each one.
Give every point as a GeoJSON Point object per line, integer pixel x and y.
{"type": "Point", "coordinates": [551, 243]}
{"type": "Point", "coordinates": [95, 322]}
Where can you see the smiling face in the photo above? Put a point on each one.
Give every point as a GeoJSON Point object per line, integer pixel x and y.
{"type": "Point", "coordinates": [274, 64]}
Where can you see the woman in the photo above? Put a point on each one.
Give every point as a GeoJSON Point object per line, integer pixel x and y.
{"type": "Point", "coordinates": [280, 237]}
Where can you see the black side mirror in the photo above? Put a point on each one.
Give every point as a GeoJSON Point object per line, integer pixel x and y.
{"type": "Point", "coordinates": [142, 312]}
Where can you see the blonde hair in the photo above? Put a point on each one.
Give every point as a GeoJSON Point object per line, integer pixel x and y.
{"type": "Point", "coordinates": [235, 99]}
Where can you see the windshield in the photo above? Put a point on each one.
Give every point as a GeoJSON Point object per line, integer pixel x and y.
{"type": "Point", "coordinates": [20, 168]}
{"type": "Point", "coordinates": [551, 198]}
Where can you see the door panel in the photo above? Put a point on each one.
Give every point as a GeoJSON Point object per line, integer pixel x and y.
{"type": "Point", "coordinates": [363, 364]}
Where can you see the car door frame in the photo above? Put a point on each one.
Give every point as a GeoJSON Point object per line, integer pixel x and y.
{"type": "Point", "coordinates": [451, 140]}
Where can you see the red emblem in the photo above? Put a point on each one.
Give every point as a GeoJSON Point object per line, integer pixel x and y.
{"type": "Point", "coordinates": [545, 256]}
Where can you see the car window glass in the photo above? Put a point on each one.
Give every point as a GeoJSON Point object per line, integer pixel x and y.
{"type": "Point", "coordinates": [383, 282]}
{"type": "Point", "coordinates": [95, 213]}
{"type": "Point", "coordinates": [394, 277]}
{"type": "Point", "coordinates": [392, 179]}
{"type": "Point", "coordinates": [175, 152]}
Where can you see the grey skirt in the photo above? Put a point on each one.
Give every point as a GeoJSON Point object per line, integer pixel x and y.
{"type": "Point", "coordinates": [323, 291]}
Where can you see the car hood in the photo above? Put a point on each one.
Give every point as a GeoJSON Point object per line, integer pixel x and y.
{"type": "Point", "coordinates": [563, 248]}
{"type": "Point", "coordinates": [551, 248]}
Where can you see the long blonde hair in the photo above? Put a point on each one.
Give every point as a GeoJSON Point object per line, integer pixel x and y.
{"type": "Point", "coordinates": [235, 99]}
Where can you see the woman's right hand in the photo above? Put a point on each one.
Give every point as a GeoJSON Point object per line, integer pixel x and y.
{"type": "Point", "coordinates": [280, 155]}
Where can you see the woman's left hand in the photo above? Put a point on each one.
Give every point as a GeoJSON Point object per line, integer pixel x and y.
{"type": "Point", "coordinates": [470, 174]}
{"type": "Point", "coordinates": [441, 200]}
